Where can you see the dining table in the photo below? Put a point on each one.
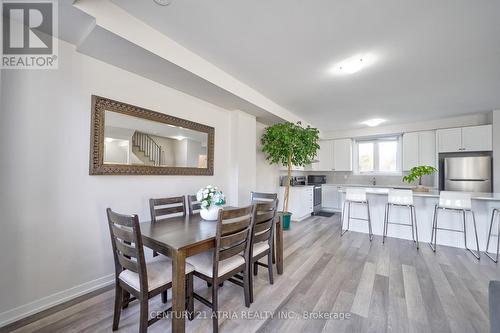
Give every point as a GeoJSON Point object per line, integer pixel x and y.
{"type": "Point", "coordinates": [185, 236]}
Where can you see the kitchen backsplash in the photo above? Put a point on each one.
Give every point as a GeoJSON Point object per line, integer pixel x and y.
{"type": "Point", "coordinates": [338, 177]}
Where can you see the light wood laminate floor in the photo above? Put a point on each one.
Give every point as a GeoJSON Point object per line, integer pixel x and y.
{"type": "Point", "coordinates": [384, 288]}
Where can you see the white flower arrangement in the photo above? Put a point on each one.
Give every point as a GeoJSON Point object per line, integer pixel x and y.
{"type": "Point", "coordinates": [210, 195]}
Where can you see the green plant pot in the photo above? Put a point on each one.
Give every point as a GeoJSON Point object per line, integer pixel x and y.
{"type": "Point", "coordinates": [286, 218]}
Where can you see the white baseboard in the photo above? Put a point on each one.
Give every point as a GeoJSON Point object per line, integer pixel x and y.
{"type": "Point", "coordinates": [47, 302]}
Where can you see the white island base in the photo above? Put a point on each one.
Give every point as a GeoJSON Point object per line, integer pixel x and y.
{"type": "Point", "coordinates": [482, 205]}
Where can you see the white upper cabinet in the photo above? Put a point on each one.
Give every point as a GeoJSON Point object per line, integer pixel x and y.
{"type": "Point", "coordinates": [325, 156]}
{"type": "Point", "coordinates": [410, 150]}
{"type": "Point", "coordinates": [449, 140]}
{"type": "Point", "coordinates": [334, 155]}
{"type": "Point", "coordinates": [419, 148]}
{"type": "Point", "coordinates": [473, 138]}
{"type": "Point", "coordinates": [342, 155]}
{"type": "Point", "coordinates": [477, 138]}
{"type": "Point", "coordinates": [427, 148]}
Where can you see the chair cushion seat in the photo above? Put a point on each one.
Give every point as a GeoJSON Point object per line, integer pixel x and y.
{"type": "Point", "coordinates": [159, 271]}
{"type": "Point", "coordinates": [259, 248]}
{"type": "Point", "coordinates": [203, 263]}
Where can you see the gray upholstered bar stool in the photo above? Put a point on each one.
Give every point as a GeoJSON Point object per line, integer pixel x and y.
{"type": "Point", "coordinates": [356, 196]}
{"type": "Point", "coordinates": [459, 202]}
{"type": "Point", "coordinates": [401, 198]}
{"type": "Point", "coordinates": [494, 213]}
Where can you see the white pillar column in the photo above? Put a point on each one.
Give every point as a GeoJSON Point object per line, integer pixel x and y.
{"type": "Point", "coordinates": [243, 158]}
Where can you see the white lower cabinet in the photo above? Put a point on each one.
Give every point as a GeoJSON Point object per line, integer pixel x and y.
{"type": "Point", "coordinates": [330, 197]}
{"type": "Point", "coordinates": [300, 203]}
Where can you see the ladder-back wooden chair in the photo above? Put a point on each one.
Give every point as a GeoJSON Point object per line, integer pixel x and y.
{"type": "Point", "coordinates": [194, 205]}
{"type": "Point", "coordinates": [262, 239]}
{"type": "Point", "coordinates": [143, 280]}
{"type": "Point", "coordinates": [229, 257]}
{"type": "Point", "coordinates": [257, 197]}
{"type": "Point", "coordinates": [164, 208]}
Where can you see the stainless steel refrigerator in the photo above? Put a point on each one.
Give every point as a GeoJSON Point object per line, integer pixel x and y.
{"type": "Point", "coordinates": [468, 173]}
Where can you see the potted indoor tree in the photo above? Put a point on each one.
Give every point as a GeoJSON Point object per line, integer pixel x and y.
{"type": "Point", "coordinates": [416, 173]}
{"type": "Point", "coordinates": [290, 145]}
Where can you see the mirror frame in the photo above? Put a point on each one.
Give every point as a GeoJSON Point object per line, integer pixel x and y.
{"type": "Point", "coordinates": [96, 163]}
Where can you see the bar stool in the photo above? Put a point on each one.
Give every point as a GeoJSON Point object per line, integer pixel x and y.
{"type": "Point", "coordinates": [355, 196]}
{"type": "Point", "coordinates": [401, 198]}
{"type": "Point", "coordinates": [494, 213]}
{"type": "Point", "coordinates": [459, 202]}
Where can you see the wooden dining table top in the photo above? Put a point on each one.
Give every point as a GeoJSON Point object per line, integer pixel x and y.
{"type": "Point", "coordinates": [178, 233]}
{"type": "Point", "coordinates": [184, 236]}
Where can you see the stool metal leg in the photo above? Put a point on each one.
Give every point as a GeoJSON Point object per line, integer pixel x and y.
{"type": "Point", "coordinates": [412, 208]}
{"type": "Point", "coordinates": [493, 213]}
{"type": "Point", "coordinates": [434, 229]}
{"type": "Point", "coordinates": [342, 219]}
{"type": "Point", "coordinates": [412, 225]}
{"type": "Point", "coordinates": [370, 233]}
{"type": "Point", "coordinates": [477, 254]}
{"type": "Point", "coordinates": [384, 234]}
{"type": "Point", "coordinates": [348, 215]}
{"type": "Point", "coordinates": [465, 233]}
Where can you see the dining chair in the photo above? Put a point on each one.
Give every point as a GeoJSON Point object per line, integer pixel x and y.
{"type": "Point", "coordinates": [262, 239]}
{"type": "Point", "coordinates": [164, 208]}
{"type": "Point", "coordinates": [232, 238]}
{"type": "Point", "coordinates": [194, 205]}
{"type": "Point", "coordinates": [257, 197]}
{"type": "Point", "coordinates": [143, 280]}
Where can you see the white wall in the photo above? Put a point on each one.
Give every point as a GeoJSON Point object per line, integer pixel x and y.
{"type": "Point", "coordinates": [242, 157]}
{"type": "Point", "coordinates": [53, 212]}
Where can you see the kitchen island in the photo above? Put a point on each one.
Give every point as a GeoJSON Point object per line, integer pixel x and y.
{"type": "Point", "coordinates": [482, 205]}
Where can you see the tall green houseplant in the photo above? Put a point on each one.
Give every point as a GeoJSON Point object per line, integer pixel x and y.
{"type": "Point", "coordinates": [290, 144]}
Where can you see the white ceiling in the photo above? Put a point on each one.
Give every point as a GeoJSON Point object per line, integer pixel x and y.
{"type": "Point", "coordinates": [436, 58]}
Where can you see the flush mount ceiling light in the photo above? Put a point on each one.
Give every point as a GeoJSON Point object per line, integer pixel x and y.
{"type": "Point", "coordinates": [163, 2]}
{"type": "Point", "coordinates": [354, 64]}
{"type": "Point", "coordinates": [373, 122]}
{"type": "Point", "coordinates": [179, 137]}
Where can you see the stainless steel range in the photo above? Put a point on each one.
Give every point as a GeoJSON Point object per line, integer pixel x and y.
{"type": "Point", "coordinates": [316, 181]}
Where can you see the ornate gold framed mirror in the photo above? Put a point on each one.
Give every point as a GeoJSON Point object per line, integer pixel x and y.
{"type": "Point", "coordinates": [130, 140]}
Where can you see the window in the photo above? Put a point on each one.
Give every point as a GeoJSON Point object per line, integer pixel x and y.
{"type": "Point", "coordinates": [380, 155]}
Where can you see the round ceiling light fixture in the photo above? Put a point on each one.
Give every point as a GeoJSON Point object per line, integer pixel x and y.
{"type": "Point", "coordinates": [163, 2]}
{"type": "Point", "coordinates": [354, 64]}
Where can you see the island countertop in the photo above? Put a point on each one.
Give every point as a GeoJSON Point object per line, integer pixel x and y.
{"type": "Point", "coordinates": [432, 193]}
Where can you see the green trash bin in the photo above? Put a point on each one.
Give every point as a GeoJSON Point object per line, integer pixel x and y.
{"type": "Point", "coordinates": [285, 218]}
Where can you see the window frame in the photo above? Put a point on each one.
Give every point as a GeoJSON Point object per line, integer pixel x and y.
{"type": "Point", "coordinates": [376, 165]}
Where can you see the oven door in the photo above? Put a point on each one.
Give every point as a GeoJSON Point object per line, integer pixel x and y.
{"type": "Point", "coordinates": [317, 198]}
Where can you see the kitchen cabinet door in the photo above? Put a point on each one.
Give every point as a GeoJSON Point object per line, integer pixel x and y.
{"type": "Point", "coordinates": [450, 140]}
{"type": "Point", "coordinates": [325, 156]}
{"type": "Point", "coordinates": [477, 138]}
{"type": "Point", "coordinates": [308, 203]}
{"type": "Point", "coordinates": [342, 155]}
{"type": "Point", "coordinates": [427, 148]}
{"type": "Point", "coordinates": [410, 150]}
{"type": "Point", "coordinates": [330, 197]}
